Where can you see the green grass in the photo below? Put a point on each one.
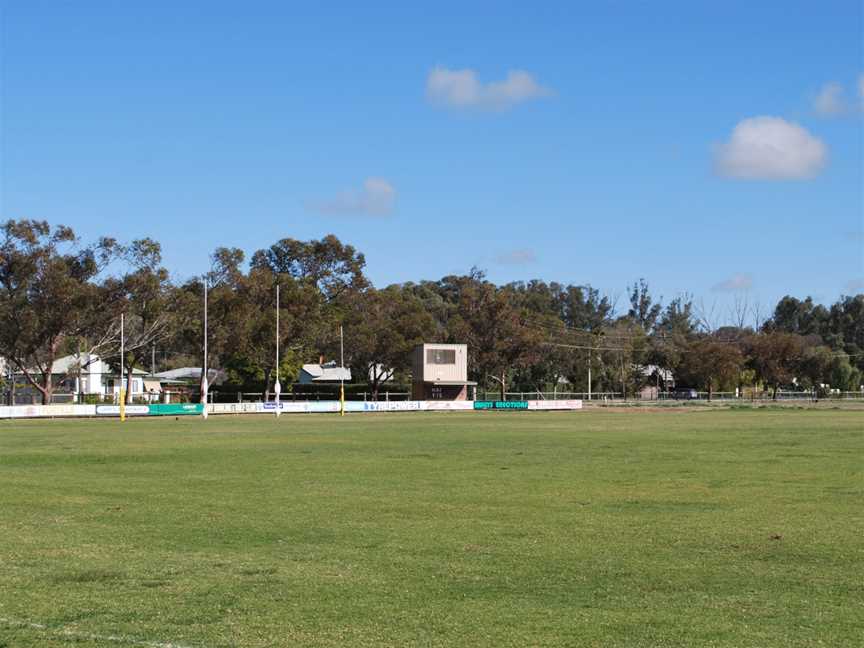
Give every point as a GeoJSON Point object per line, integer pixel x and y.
{"type": "Point", "coordinates": [680, 528]}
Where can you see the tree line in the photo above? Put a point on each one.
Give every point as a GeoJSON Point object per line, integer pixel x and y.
{"type": "Point", "coordinates": [60, 296]}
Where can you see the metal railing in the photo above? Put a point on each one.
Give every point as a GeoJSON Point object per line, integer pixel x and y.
{"type": "Point", "coordinates": [547, 395]}
{"type": "Point", "coordinates": [246, 397]}
{"type": "Point", "coordinates": [784, 395]}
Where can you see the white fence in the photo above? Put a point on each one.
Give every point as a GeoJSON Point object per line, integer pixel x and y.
{"type": "Point", "coordinates": [289, 407]}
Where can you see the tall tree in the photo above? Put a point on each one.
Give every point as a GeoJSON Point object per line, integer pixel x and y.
{"type": "Point", "coordinates": [381, 328]}
{"type": "Point", "coordinates": [499, 342]}
{"type": "Point", "coordinates": [710, 363]}
{"type": "Point", "coordinates": [328, 264]}
{"type": "Point", "coordinates": [672, 334]}
{"type": "Point", "coordinates": [845, 328]}
{"type": "Point", "coordinates": [792, 315]}
{"type": "Point", "coordinates": [301, 326]}
{"type": "Point", "coordinates": [644, 311]}
{"type": "Point", "coordinates": [49, 298]}
{"type": "Point", "coordinates": [146, 300]}
{"type": "Point", "coordinates": [776, 358]}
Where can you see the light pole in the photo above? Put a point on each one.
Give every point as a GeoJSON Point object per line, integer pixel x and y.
{"type": "Point", "coordinates": [277, 388]}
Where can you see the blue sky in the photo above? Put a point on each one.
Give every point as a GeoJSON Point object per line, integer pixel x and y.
{"type": "Point", "coordinates": [626, 144]}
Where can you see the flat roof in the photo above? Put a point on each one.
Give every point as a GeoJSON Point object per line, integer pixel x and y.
{"type": "Point", "coordinates": [442, 345]}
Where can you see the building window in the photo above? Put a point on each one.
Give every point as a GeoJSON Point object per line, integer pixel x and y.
{"type": "Point", "coordinates": [441, 356]}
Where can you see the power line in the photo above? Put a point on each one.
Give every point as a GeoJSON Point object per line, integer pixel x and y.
{"type": "Point", "coordinates": [588, 348]}
{"type": "Point", "coordinates": [618, 338]}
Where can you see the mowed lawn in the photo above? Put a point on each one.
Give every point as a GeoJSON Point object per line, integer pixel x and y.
{"type": "Point", "coordinates": [593, 528]}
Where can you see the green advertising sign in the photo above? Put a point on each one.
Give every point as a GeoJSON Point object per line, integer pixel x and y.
{"type": "Point", "coordinates": [176, 409]}
{"type": "Point", "coordinates": [500, 405]}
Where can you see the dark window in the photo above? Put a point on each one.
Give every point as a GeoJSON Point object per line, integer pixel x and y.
{"type": "Point", "coordinates": [441, 356]}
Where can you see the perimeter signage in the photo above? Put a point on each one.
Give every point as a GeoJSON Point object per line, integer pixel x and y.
{"type": "Point", "coordinates": [500, 405]}
{"type": "Point", "coordinates": [172, 409]}
{"type": "Point", "coordinates": [175, 409]}
{"type": "Point", "coordinates": [114, 410]}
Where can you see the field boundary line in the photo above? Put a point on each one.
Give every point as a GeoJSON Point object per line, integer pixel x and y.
{"type": "Point", "coordinates": [72, 634]}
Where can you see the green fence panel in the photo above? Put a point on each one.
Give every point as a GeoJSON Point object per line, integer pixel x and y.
{"type": "Point", "coordinates": [176, 409]}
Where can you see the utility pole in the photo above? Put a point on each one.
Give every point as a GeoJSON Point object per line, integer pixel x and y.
{"type": "Point", "coordinates": [623, 383]}
{"type": "Point", "coordinates": [589, 373]}
{"type": "Point", "coordinates": [277, 388]}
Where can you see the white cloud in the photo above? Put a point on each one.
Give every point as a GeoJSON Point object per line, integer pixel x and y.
{"type": "Point", "coordinates": [855, 286]}
{"type": "Point", "coordinates": [377, 198]}
{"type": "Point", "coordinates": [831, 100]}
{"type": "Point", "coordinates": [734, 283]}
{"type": "Point", "coordinates": [462, 89]}
{"type": "Point", "coordinates": [770, 148]}
{"type": "Point", "coordinates": [522, 256]}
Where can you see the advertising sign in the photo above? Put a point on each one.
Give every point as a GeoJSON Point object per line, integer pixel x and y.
{"type": "Point", "coordinates": [446, 406]}
{"type": "Point", "coordinates": [500, 405]}
{"type": "Point", "coordinates": [554, 404]}
{"type": "Point", "coordinates": [174, 409]}
{"type": "Point", "coordinates": [114, 410]}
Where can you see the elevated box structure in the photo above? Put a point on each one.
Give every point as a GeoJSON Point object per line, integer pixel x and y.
{"type": "Point", "coordinates": [440, 372]}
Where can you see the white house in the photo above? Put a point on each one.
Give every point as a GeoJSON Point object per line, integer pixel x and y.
{"type": "Point", "coordinates": [89, 374]}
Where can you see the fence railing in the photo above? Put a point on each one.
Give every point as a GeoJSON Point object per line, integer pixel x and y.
{"type": "Point", "coordinates": [547, 395]}
{"type": "Point", "coordinates": [764, 396]}
{"type": "Point", "coordinates": [217, 396]}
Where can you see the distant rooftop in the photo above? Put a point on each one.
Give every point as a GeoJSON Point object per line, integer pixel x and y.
{"type": "Point", "coordinates": [190, 373]}
{"type": "Point", "coordinates": [327, 372]}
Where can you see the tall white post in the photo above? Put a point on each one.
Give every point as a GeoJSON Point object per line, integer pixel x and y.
{"type": "Point", "coordinates": [341, 372]}
{"type": "Point", "coordinates": [204, 384]}
{"type": "Point", "coordinates": [589, 373]}
{"type": "Point", "coordinates": [122, 369]}
{"type": "Point", "coordinates": [277, 388]}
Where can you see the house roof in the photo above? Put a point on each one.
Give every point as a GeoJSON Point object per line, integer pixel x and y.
{"type": "Point", "coordinates": [327, 372]}
{"type": "Point", "coordinates": [664, 374]}
{"type": "Point", "coordinates": [152, 385]}
{"type": "Point", "coordinates": [190, 373]}
{"type": "Point", "coordinates": [68, 364]}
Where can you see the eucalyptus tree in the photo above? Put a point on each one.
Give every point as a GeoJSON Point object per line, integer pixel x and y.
{"type": "Point", "coordinates": [51, 300]}
{"type": "Point", "coordinates": [147, 301]}
{"type": "Point", "coordinates": [381, 328]}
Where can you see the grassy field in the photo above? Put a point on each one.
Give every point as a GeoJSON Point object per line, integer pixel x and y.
{"type": "Point", "coordinates": [677, 528]}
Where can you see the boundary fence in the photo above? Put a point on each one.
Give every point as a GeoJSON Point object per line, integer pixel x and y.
{"type": "Point", "coordinates": [285, 407]}
{"type": "Point", "coordinates": [672, 396]}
